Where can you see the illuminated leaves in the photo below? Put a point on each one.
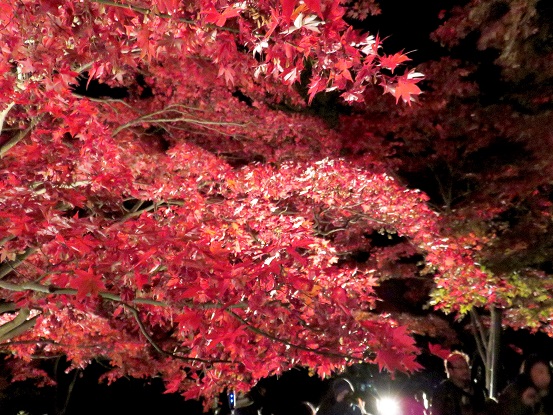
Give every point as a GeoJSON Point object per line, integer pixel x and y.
{"type": "Point", "coordinates": [219, 19]}
{"type": "Point", "coordinates": [438, 350]}
{"type": "Point", "coordinates": [287, 8]}
{"type": "Point", "coordinates": [392, 61]}
{"type": "Point", "coordinates": [192, 227]}
{"type": "Point", "coordinates": [405, 88]}
{"type": "Point", "coordinates": [87, 283]}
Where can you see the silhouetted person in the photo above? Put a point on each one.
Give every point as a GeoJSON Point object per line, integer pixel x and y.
{"type": "Point", "coordinates": [341, 400]}
{"type": "Point", "coordinates": [530, 393]}
{"type": "Point", "coordinates": [521, 397]}
{"type": "Point", "coordinates": [458, 395]}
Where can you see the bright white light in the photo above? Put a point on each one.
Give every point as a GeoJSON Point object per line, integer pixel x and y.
{"type": "Point", "coordinates": [388, 406]}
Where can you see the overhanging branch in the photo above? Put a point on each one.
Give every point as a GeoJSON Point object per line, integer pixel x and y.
{"type": "Point", "coordinates": [150, 119]}
{"type": "Point", "coordinates": [263, 333]}
{"type": "Point", "coordinates": [160, 350]}
{"type": "Point", "coordinates": [50, 289]}
{"type": "Point", "coordinates": [148, 12]}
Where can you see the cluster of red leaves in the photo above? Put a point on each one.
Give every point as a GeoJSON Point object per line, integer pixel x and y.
{"type": "Point", "coordinates": [190, 234]}
{"type": "Point", "coordinates": [284, 39]}
{"type": "Point", "coordinates": [486, 173]}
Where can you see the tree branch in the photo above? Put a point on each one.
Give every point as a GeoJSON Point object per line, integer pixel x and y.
{"type": "Point", "coordinates": [18, 325]}
{"type": "Point", "coordinates": [69, 391]}
{"type": "Point", "coordinates": [50, 289]}
{"type": "Point", "coordinates": [290, 344]}
{"type": "Point", "coordinates": [18, 137]}
{"type": "Point", "coordinates": [479, 335]}
{"type": "Point", "coordinates": [148, 12]}
{"type": "Point", "coordinates": [147, 119]}
{"type": "Point", "coordinates": [9, 266]}
{"type": "Point", "coordinates": [7, 307]}
{"type": "Point", "coordinates": [4, 113]}
{"type": "Point", "coordinates": [158, 348]}
{"type": "Point", "coordinates": [6, 239]}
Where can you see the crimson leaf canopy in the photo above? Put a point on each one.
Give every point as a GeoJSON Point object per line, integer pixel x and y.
{"type": "Point", "coordinates": [200, 227]}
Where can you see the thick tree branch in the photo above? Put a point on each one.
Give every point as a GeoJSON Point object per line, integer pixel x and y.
{"type": "Point", "coordinates": [4, 113]}
{"type": "Point", "coordinates": [7, 307]}
{"type": "Point", "coordinates": [18, 137]}
{"type": "Point", "coordinates": [17, 326]}
{"type": "Point", "coordinates": [50, 289]}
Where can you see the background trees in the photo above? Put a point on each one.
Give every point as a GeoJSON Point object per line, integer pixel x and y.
{"type": "Point", "coordinates": [196, 219]}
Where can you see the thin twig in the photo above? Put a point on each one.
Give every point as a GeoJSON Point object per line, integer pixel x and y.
{"type": "Point", "coordinates": [148, 12]}
{"type": "Point", "coordinates": [69, 391]}
{"type": "Point", "coordinates": [288, 343]}
{"type": "Point", "coordinates": [194, 121]}
{"type": "Point", "coordinates": [158, 348]}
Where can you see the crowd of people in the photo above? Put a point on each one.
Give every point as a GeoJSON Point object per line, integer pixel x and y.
{"type": "Point", "coordinates": [530, 393]}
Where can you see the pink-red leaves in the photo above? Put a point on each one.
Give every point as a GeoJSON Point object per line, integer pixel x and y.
{"type": "Point", "coordinates": [315, 6]}
{"type": "Point", "coordinates": [287, 8]}
{"type": "Point", "coordinates": [316, 85]}
{"type": "Point", "coordinates": [392, 61]}
{"type": "Point", "coordinates": [87, 283]}
{"type": "Point", "coordinates": [212, 15]}
{"type": "Point", "coordinates": [168, 6]}
{"type": "Point", "coordinates": [406, 88]}
{"type": "Point", "coordinates": [400, 352]}
{"type": "Point", "coordinates": [438, 350]}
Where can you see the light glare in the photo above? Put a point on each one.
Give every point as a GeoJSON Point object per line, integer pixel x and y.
{"type": "Point", "coordinates": [388, 406]}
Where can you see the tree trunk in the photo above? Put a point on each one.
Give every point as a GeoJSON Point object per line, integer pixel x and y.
{"type": "Point", "coordinates": [494, 347]}
{"type": "Point", "coordinates": [488, 345]}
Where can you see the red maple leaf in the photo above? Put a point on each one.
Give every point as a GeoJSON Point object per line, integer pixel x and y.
{"type": "Point", "coordinates": [315, 5]}
{"type": "Point", "coordinates": [333, 11]}
{"type": "Point", "coordinates": [219, 19]}
{"type": "Point", "coordinates": [392, 61]}
{"type": "Point", "coordinates": [339, 295]}
{"type": "Point", "coordinates": [6, 9]}
{"type": "Point", "coordinates": [406, 87]}
{"type": "Point", "coordinates": [87, 283]}
{"type": "Point", "coordinates": [438, 350]}
{"type": "Point", "coordinates": [316, 85]}
{"type": "Point", "coordinates": [388, 359]}
{"type": "Point", "coordinates": [287, 8]}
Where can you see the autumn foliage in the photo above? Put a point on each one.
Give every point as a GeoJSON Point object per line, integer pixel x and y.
{"type": "Point", "coordinates": [204, 226]}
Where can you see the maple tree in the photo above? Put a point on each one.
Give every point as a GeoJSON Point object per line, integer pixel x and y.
{"type": "Point", "coordinates": [476, 145]}
{"type": "Point", "coordinates": [205, 226]}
